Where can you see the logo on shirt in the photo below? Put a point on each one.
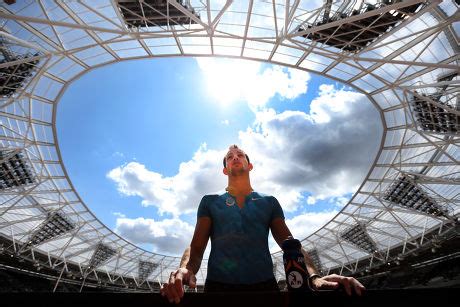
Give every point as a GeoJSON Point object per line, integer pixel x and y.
{"type": "Point", "coordinates": [229, 201]}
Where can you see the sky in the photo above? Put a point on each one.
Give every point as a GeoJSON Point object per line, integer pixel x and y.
{"type": "Point", "coordinates": [143, 141]}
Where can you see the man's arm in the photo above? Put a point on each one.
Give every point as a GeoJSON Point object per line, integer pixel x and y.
{"type": "Point", "coordinates": [193, 255]}
{"type": "Point", "coordinates": [185, 258]}
{"type": "Point", "coordinates": [190, 263]}
{"type": "Point", "coordinates": [311, 268]}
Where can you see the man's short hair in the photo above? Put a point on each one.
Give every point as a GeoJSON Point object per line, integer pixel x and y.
{"type": "Point", "coordinates": [234, 147]}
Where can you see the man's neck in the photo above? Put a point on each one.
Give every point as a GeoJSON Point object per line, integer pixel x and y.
{"type": "Point", "coordinates": [240, 185]}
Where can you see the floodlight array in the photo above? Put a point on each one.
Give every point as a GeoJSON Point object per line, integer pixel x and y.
{"type": "Point", "coordinates": [14, 171]}
{"type": "Point", "coordinates": [406, 193]}
{"type": "Point", "coordinates": [146, 268]}
{"type": "Point", "coordinates": [437, 112]}
{"type": "Point", "coordinates": [100, 255]}
{"type": "Point", "coordinates": [14, 76]}
{"type": "Point", "coordinates": [55, 225]}
{"type": "Point", "coordinates": [358, 236]}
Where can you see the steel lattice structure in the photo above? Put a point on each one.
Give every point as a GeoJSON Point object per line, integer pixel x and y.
{"type": "Point", "coordinates": [403, 55]}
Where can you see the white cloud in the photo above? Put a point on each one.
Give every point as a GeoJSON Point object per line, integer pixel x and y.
{"type": "Point", "coordinates": [179, 194]}
{"type": "Point", "coordinates": [311, 200]}
{"type": "Point", "coordinates": [304, 225]}
{"type": "Point", "coordinates": [330, 102]}
{"type": "Point", "coordinates": [340, 201]}
{"type": "Point", "coordinates": [169, 236]}
{"type": "Point", "coordinates": [326, 152]}
{"type": "Point", "coordinates": [225, 122]}
{"type": "Point", "coordinates": [119, 214]}
{"type": "Point", "coordinates": [230, 80]}
{"type": "Point", "coordinates": [118, 154]}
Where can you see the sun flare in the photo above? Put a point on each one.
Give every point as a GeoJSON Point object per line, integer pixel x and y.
{"type": "Point", "coordinates": [227, 80]}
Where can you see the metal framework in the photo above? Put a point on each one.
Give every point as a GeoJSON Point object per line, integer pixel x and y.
{"type": "Point", "coordinates": [397, 54]}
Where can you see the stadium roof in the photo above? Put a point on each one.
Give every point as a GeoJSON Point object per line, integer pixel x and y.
{"type": "Point", "coordinates": [403, 55]}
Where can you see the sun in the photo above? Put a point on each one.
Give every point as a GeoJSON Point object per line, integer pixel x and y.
{"type": "Point", "coordinates": [229, 80]}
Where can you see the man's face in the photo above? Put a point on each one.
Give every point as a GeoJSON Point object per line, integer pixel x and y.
{"type": "Point", "coordinates": [236, 162]}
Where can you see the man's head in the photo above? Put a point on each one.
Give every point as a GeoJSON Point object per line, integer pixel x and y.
{"type": "Point", "coordinates": [236, 149]}
{"type": "Point", "coordinates": [236, 159]}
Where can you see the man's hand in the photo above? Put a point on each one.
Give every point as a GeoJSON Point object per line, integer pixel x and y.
{"type": "Point", "coordinates": [174, 288]}
{"type": "Point", "coordinates": [334, 281]}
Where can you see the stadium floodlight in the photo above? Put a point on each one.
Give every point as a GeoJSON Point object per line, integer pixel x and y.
{"type": "Point", "coordinates": [358, 236]}
{"type": "Point", "coordinates": [438, 112]}
{"type": "Point", "coordinates": [14, 171]}
{"type": "Point", "coordinates": [15, 68]}
{"type": "Point", "coordinates": [101, 255]}
{"type": "Point", "coordinates": [155, 13]}
{"type": "Point", "coordinates": [313, 253]}
{"type": "Point", "coordinates": [404, 192]}
{"type": "Point", "coordinates": [55, 225]}
{"type": "Point", "coordinates": [146, 268]}
{"type": "Point", "coordinates": [355, 34]}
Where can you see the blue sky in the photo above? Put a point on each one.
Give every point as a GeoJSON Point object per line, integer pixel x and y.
{"type": "Point", "coordinates": [142, 140]}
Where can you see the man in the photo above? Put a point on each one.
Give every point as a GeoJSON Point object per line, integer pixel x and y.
{"type": "Point", "coordinates": [238, 223]}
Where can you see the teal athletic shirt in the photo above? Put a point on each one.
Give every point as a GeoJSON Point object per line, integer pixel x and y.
{"type": "Point", "coordinates": [239, 237]}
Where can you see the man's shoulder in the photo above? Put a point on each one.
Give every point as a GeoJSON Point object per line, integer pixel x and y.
{"type": "Point", "coordinates": [266, 197]}
{"type": "Point", "coordinates": [262, 195]}
{"type": "Point", "coordinates": [211, 197]}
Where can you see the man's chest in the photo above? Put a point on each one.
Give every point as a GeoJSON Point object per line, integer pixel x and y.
{"type": "Point", "coordinates": [229, 216]}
